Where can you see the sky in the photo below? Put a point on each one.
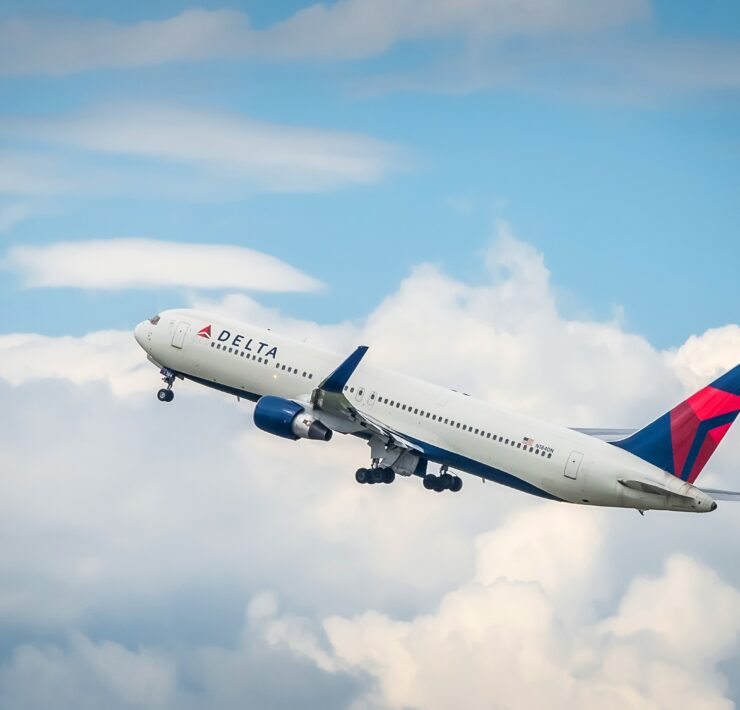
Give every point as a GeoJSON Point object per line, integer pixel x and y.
{"type": "Point", "coordinates": [533, 202]}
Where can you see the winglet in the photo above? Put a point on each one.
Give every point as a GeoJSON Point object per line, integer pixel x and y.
{"type": "Point", "coordinates": [336, 381]}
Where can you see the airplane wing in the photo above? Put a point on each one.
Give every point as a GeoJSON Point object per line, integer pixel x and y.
{"type": "Point", "coordinates": [606, 434]}
{"type": "Point", "coordinates": [721, 495]}
{"type": "Point", "coordinates": [329, 397]}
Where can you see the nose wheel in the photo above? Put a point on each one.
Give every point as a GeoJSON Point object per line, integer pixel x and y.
{"type": "Point", "coordinates": [166, 394]}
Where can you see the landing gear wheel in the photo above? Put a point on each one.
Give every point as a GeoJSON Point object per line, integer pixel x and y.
{"type": "Point", "coordinates": [361, 475]}
{"type": "Point", "coordinates": [376, 475]}
{"type": "Point", "coordinates": [456, 484]}
{"type": "Point", "coordinates": [165, 395]}
{"type": "Point", "coordinates": [430, 482]}
{"type": "Point", "coordinates": [389, 475]}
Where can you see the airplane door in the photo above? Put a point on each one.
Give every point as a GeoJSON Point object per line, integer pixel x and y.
{"type": "Point", "coordinates": [178, 337]}
{"type": "Point", "coordinates": [371, 399]}
{"type": "Point", "coordinates": [573, 465]}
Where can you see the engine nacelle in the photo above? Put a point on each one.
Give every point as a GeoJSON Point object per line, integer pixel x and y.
{"type": "Point", "coordinates": [283, 417]}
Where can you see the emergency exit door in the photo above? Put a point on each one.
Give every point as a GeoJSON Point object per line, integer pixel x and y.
{"type": "Point", "coordinates": [178, 337]}
{"type": "Point", "coordinates": [573, 464]}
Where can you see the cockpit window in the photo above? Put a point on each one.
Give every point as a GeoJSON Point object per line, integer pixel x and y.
{"type": "Point", "coordinates": [154, 320]}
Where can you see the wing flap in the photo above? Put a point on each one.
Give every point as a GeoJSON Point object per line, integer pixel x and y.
{"type": "Point", "coordinates": [329, 397]}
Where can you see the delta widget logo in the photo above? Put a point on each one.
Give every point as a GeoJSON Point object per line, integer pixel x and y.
{"type": "Point", "coordinates": [205, 332]}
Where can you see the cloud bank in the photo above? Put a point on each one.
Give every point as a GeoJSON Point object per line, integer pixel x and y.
{"type": "Point", "coordinates": [522, 632]}
{"type": "Point", "coordinates": [176, 557]}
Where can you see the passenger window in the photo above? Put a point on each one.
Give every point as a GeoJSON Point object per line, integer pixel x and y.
{"type": "Point", "coordinates": [310, 375]}
{"type": "Point", "coordinates": [416, 410]}
{"type": "Point", "coordinates": [519, 445]}
{"type": "Point", "coordinates": [457, 425]}
{"type": "Point", "coordinates": [304, 374]}
{"type": "Point", "coordinates": [351, 389]}
{"type": "Point", "coordinates": [465, 427]}
{"type": "Point", "coordinates": [241, 354]}
{"type": "Point", "coordinates": [506, 442]}
{"type": "Point", "coordinates": [403, 407]}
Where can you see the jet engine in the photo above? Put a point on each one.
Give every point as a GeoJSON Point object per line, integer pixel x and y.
{"type": "Point", "coordinates": [283, 417]}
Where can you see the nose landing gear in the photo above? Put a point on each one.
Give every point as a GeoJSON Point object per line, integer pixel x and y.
{"type": "Point", "coordinates": [168, 377]}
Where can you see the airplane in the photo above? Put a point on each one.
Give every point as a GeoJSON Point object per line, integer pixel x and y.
{"type": "Point", "coordinates": [301, 392]}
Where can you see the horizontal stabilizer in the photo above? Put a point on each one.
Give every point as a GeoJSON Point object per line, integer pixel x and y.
{"type": "Point", "coordinates": [721, 495]}
{"type": "Point", "coordinates": [645, 487]}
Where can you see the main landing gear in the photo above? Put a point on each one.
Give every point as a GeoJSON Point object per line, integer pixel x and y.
{"type": "Point", "coordinates": [443, 482]}
{"type": "Point", "coordinates": [379, 474]}
{"type": "Point", "coordinates": [168, 377]}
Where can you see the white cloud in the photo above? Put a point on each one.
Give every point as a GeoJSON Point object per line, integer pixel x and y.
{"type": "Point", "coordinates": [348, 29]}
{"type": "Point", "coordinates": [132, 521]}
{"type": "Point", "coordinates": [231, 147]}
{"type": "Point", "coordinates": [86, 675]}
{"type": "Point", "coordinates": [147, 263]}
{"type": "Point", "coordinates": [703, 357]}
{"type": "Point", "coordinates": [109, 356]}
{"type": "Point", "coordinates": [506, 638]}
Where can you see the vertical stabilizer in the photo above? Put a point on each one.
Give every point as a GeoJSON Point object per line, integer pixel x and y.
{"type": "Point", "coordinates": [682, 440]}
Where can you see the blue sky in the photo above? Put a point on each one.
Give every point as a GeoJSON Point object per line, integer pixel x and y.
{"type": "Point", "coordinates": [596, 147]}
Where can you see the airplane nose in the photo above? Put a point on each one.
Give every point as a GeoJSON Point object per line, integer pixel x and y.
{"type": "Point", "coordinates": [140, 333]}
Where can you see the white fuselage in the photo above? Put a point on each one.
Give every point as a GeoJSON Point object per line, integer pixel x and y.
{"type": "Point", "coordinates": [451, 428]}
